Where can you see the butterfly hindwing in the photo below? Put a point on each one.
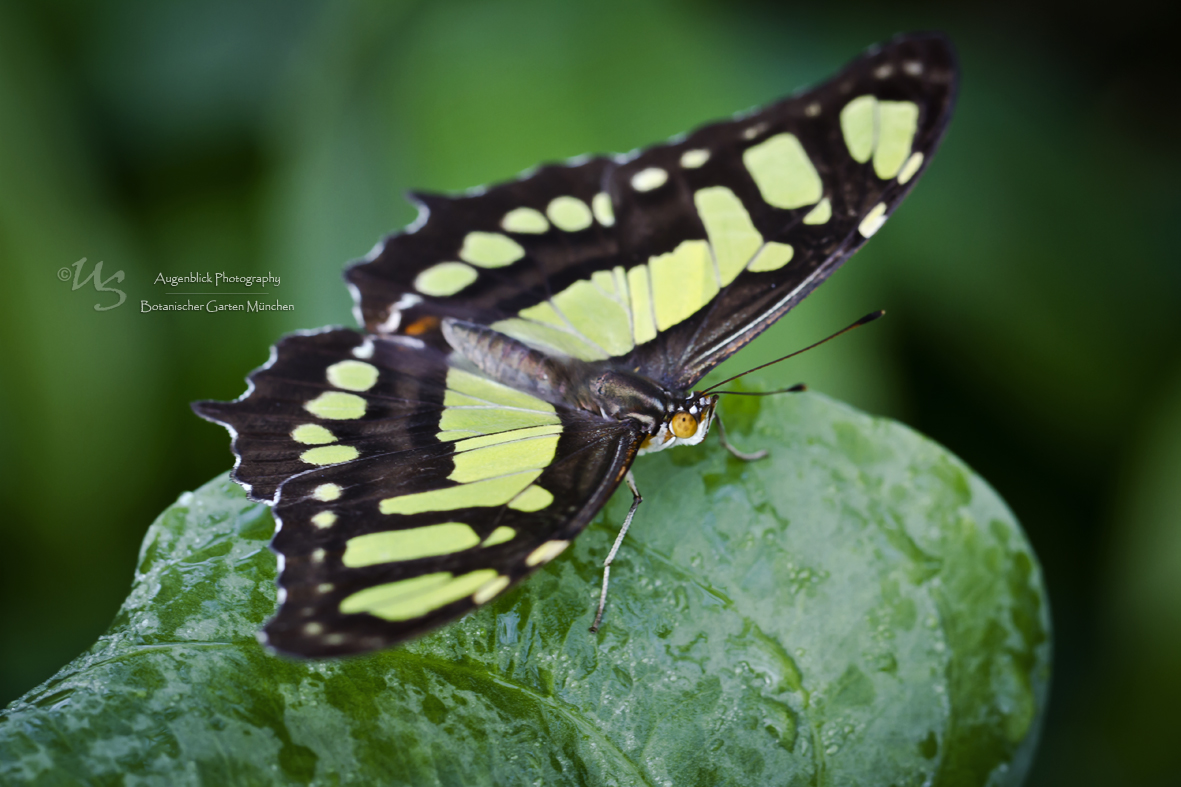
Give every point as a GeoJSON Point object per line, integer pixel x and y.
{"type": "Point", "coordinates": [670, 260]}
{"type": "Point", "coordinates": [413, 490]}
{"type": "Point", "coordinates": [316, 403]}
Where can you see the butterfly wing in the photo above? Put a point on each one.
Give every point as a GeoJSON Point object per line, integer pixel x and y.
{"type": "Point", "coordinates": [787, 194]}
{"type": "Point", "coordinates": [408, 490]}
{"type": "Point", "coordinates": [670, 260]}
{"type": "Point", "coordinates": [498, 256]}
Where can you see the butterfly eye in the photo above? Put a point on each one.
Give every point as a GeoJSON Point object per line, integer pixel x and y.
{"type": "Point", "coordinates": [684, 425]}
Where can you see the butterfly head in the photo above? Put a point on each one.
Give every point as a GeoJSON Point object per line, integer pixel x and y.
{"type": "Point", "coordinates": [686, 422]}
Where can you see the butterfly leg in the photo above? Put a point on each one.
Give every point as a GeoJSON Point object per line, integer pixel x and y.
{"type": "Point", "coordinates": [636, 500]}
{"type": "Point", "coordinates": [740, 454]}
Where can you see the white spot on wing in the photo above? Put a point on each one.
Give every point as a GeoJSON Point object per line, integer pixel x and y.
{"type": "Point", "coordinates": [391, 323]}
{"type": "Point", "coordinates": [424, 215]}
{"type": "Point", "coordinates": [356, 295]}
{"type": "Point", "coordinates": [873, 220]}
{"type": "Point", "coordinates": [754, 131]}
{"type": "Point", "coordinates": [910, 167]}
{"type": "Point", "coordinates": [546, 552]}
{"type": "Point", "coordinates": [525, 220]}
{"type": "Point", "coordinates": [604, 212]}
{"type": "Point", "coordinates": [395, 317]}
{"type": "Point", "coordinates": [413, 342]}
{"type": "Point", "coordinates": [407, 300]}
{"type": "Point", "coordinates": [364, 350]}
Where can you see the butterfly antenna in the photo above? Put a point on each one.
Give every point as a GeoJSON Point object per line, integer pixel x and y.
{"type": "Point", "coordinates": [797, 388]}
{"type": "Point", "coordinates": [866, 319]}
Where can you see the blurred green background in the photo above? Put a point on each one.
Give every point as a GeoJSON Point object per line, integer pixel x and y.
{"type": "Point", "coordinates": [1032, 283]}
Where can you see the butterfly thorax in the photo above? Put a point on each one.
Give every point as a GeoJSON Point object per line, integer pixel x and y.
{"type": "Point", "coordinates": [662, 418]}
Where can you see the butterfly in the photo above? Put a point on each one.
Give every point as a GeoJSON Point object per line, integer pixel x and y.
{"type": "Point", "coordinates": [523, 343]}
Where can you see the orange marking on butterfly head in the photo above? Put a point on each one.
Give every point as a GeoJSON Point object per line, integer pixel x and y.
{"type": "Point", "coordinates": [422, 325]}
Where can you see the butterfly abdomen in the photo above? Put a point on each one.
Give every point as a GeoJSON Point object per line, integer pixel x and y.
{"type": "Point", "coordinates": [610, 393]}
{"type": "Point", "coordinates": [509, 361]}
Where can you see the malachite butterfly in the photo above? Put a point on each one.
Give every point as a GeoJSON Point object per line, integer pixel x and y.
{"type": "Point", "coordinates": [524, 342]}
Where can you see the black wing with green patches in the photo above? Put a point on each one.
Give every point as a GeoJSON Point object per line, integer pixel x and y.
{"type": "Point", "coordinates": [568, 282]}
{"type": "Point", "coordinates": [384, 285]}
{"type": "Point", "coordinates": [439, 543]}
{"type": "Point", "coordinates": [920, 70]}
{"type": "Point", "coordinates": [399, 412]}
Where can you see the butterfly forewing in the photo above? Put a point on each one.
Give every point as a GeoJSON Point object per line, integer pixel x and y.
{"type": "Point", "coordinates": [670, 260]}
{"type": "Point", "coordinates": [487, 255]}
{"type": "Point", "coordinates": [788, 193]}
{"type": "Point", "coordinates": [413, 490]}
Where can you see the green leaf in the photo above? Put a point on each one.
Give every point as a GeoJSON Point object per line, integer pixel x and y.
{"type": "Point", "coordinates": [859, 608]}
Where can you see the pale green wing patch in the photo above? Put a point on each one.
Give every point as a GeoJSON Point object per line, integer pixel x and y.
{"type": "Point", "coordinates": [859, 127]}
{"type": "Point", "coordinates": [683, 281]}
{"type": "Point", "coordinates": [312, 434]}
{"type": "Point", "coordinates": [603, 209]}
{"type": "Point", "coordinates": [639, 285]}
{"type": "Point", "coordinates": [819, 214]}
{"type": "Point", "coordinates": [504, 457]}
{"type": "Point", "coordinates": [490, 250]}
{"type": "Point", "coordinates": [732, 234]}
{"type": "Point", "coordinates": [415, 597]}
{"type": "Point", "coordinates": [445, 279]}
{"type": "Point", "coordinates": [771, 257]}
{"type": "Point", "coordinates": [590, 320]}
{"type": "Point", "coordinates": [525, 220]}
{"type": "Point", "coordinates": [490, 493]}
{"type": "Point", "coordinates": [336, 406]}
{"type": "Point", "coordinates": [410, 544]}
{"type": "Point", "coordinates": [883, 130]}
{"type": "Point", "coordinates": [569, 214]}
{"type": "Point", "coordinates": [494, 393]}
{"type": "Point", "coordinates": [330, 454]}
{"type": "Point", "coordinates": [503, 439]}
{"type": "Point", "coordinates": [896, 128]}
{"type": "Point", "coordinates": [783, 172]}
{"type": "Point", "coordinates": [352, 375]}
{"type": "Point", "coordinates": [549, 338]}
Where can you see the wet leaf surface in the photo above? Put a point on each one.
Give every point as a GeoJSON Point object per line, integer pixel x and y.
{"type": "Point", "coordinates": [859, 608]}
